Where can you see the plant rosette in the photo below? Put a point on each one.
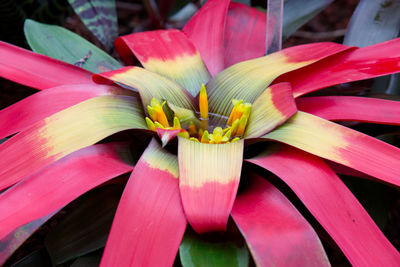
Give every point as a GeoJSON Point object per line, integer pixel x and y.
{"type": "Point", "coordinates": [211, 87]}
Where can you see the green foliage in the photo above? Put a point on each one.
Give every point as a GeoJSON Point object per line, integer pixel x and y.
{"type": "Point", "coordinates": [100, 17]}
{"type": "Point", "coordinates": [62, 44]}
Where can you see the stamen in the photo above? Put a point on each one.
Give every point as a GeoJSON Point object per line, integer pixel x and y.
{"type": "Point", "coordinates": [235, 129]}
{"type": "Point", "coordinates": [205, 137]}
{"type": "Point", "coordinates": [184, 134]}
{"type": "Point", "coordinates": [203, 106]}
{"type": "Point", "coordinates": [177, 124]}
{"type": "Point", "coordinates": [150, 125]}
{"type": "Point", "coordinates": [192, 129]}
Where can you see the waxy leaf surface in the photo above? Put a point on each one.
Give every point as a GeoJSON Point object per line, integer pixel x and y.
{"type": "Point", "coordinates": [275, 232]}
{"type": "Point", "coordinates": [332, 204]}
{"type": "Point", "coordinates": [167, 52]}
{"type": "Point", "coordinates": [149, 223]}
{"type": "Point", "coordinates": [60, 43]}
{"type": "Point", "coordinates": [351, 108]}
{"type": "Point", "coordinates": [209, 177]}
{"type": "Point", "coordinates": [41, 105]}
{"type": "Point", "coordinates": [65, 132]}
{"type": "Point", "coordinates": [38, 71]}
{"type": "Point", "coordinates": [58, 184]}
{"type": "Point", "coordinates": [340, 144]}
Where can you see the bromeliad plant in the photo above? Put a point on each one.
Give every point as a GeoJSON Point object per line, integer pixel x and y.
{"type": "Point", "coordinates": [211, 87]}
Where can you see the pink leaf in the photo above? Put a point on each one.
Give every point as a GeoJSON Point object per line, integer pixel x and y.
{"type": "Point", "coordinates": [38, 71]}
{"type": "Point", "coordinates": [350, 108]}
{"type": "Point", "coordinates": [149, 223]}
{"type": "Point", "coordinates": [276, 233]}
{"type": "Point", "coordinates": [333, 205]}
{"type": "Point", "coordinates": [59, 183]}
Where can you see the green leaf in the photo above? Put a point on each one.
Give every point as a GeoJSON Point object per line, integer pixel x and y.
{"type": "Point", "coordinates": [373, 22]}
{"type": "Point", "coordinates": [85, 228]}
{"type": "Point", "coordinates": [298, 12]}
{"type": "Point", "coordinates": [217, 249]}
{"type": "Point", "coordinates": [62, 44]}
{"type": "Point", "coordinates": [90, 260]}
{"type": "Point", "coordinates": [100, 17]}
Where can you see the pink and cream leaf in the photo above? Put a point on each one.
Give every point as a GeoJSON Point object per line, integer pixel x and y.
{"type": "Point", "coordinates": [167, 52]}
{"type": "Point", "coordinates": [340, 144]}
{"type": "Point", "coordinates": [352, 108]}
{"type": "Point", "coordinates": [38, 71]}
{"type": "Point", "coordinates": [209, 177]}
{"type": "Point", "coordinates": [58, 184]}
{"type": "Point", "coordinates": [272, 108]}
{"type": "Point", "coordinates": [332, 204]}
{"type": "Point", "coordinates": [352, 65]}
{"type": "Point", "coordinates": [275, 232]}
{"type": "Point", "coordinates": [248, 79]}
{"type": "Point", "coordinates": [149, 224]}
{"type": "Point", "coordinates": [41, 105]}
{"type": "Point", "coordinates": [150, 85]}
{"type": "Point", "coordinates": [65, 132]}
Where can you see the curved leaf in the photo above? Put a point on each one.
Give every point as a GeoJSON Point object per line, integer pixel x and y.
{"type": "Point", "coordinates": [340, 144]}
{"type": "Point", "coordinates": [276, 233]}
{"type": "Point", "coordinates": [272, 108]}
{"type": "Point", "coordinates": [352, 65]}
{"type": "Point", "coordinates": [60, 43]}
{"type": "Point", "coordinates": [84, 228]}
{"type": "Point", "coordinates": [65, 132]}
{"type": "Point", "coordinates": [245, 27]}
{"type": "Point", "coordinates": [150, 85]}
{"type": "Point", "coordinates": [332, 204]}
{"type": "Point", "coordinates": [169, 53]}
{"type": "Point", "coordinates": [213, 250]}
{"type": "Point", "coordinates": [206, 30]}
{"type": "Point", "coordinates": [350, 108]}
{"type": "Point", "coordinates": [38, 71]}
{"type": "Point", "coordinates": [373, 22]}
{"type": "Point", "coordinates": [59, 183]}
{"type": "Point", "coordinates": [37, 107]}
{"type": "Point", "coordinates": [298, 12]}
{"type": "Point", "coordinates": [209, 177]}
{"type": "Point", "coordinates": [149, 223]}
{"type": "Point", "coordinates": [248, 79]}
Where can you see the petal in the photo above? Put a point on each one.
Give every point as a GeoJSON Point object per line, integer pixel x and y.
{"type": "Point", "coordinates": [276, 233]}
{"type": "Point", "coordinates": [350, 108]}
{"type": "Point", "coordinates": [11, 242]}
{"type": "Point", "coordinates": [352, 65]}
{"type": "Point", "coordinates": [59, 183]}
{"type": "Point", "coordinates": [272, 108]}
{"type": "Point", "coordinates": [166, 52]}
{"type": "Point", "coordinates": [38, 71]}
{"type": "Point", "coordinates": [340, 144]}
{"type": "Point", "coordinates": [65, 132]}
{"type": "Point", "coordinates": [167, 135]}
{"type": "Point", "coordinates": [209, 176]}
{"type": "Point", "coordinates": [333, 205]}
{"type": "Point", "coordinates": [37, 107]}
{"type": "Point", "coordinates": [244, 34]}
{"type": "Point", "coordinates": [149, 223]}
{"type": "Point", "coordinates": [206, 30]}
{"type": "Point", "coordinates": [150, 85]}
{"type": "Point", "coordinates": [248, 79]}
